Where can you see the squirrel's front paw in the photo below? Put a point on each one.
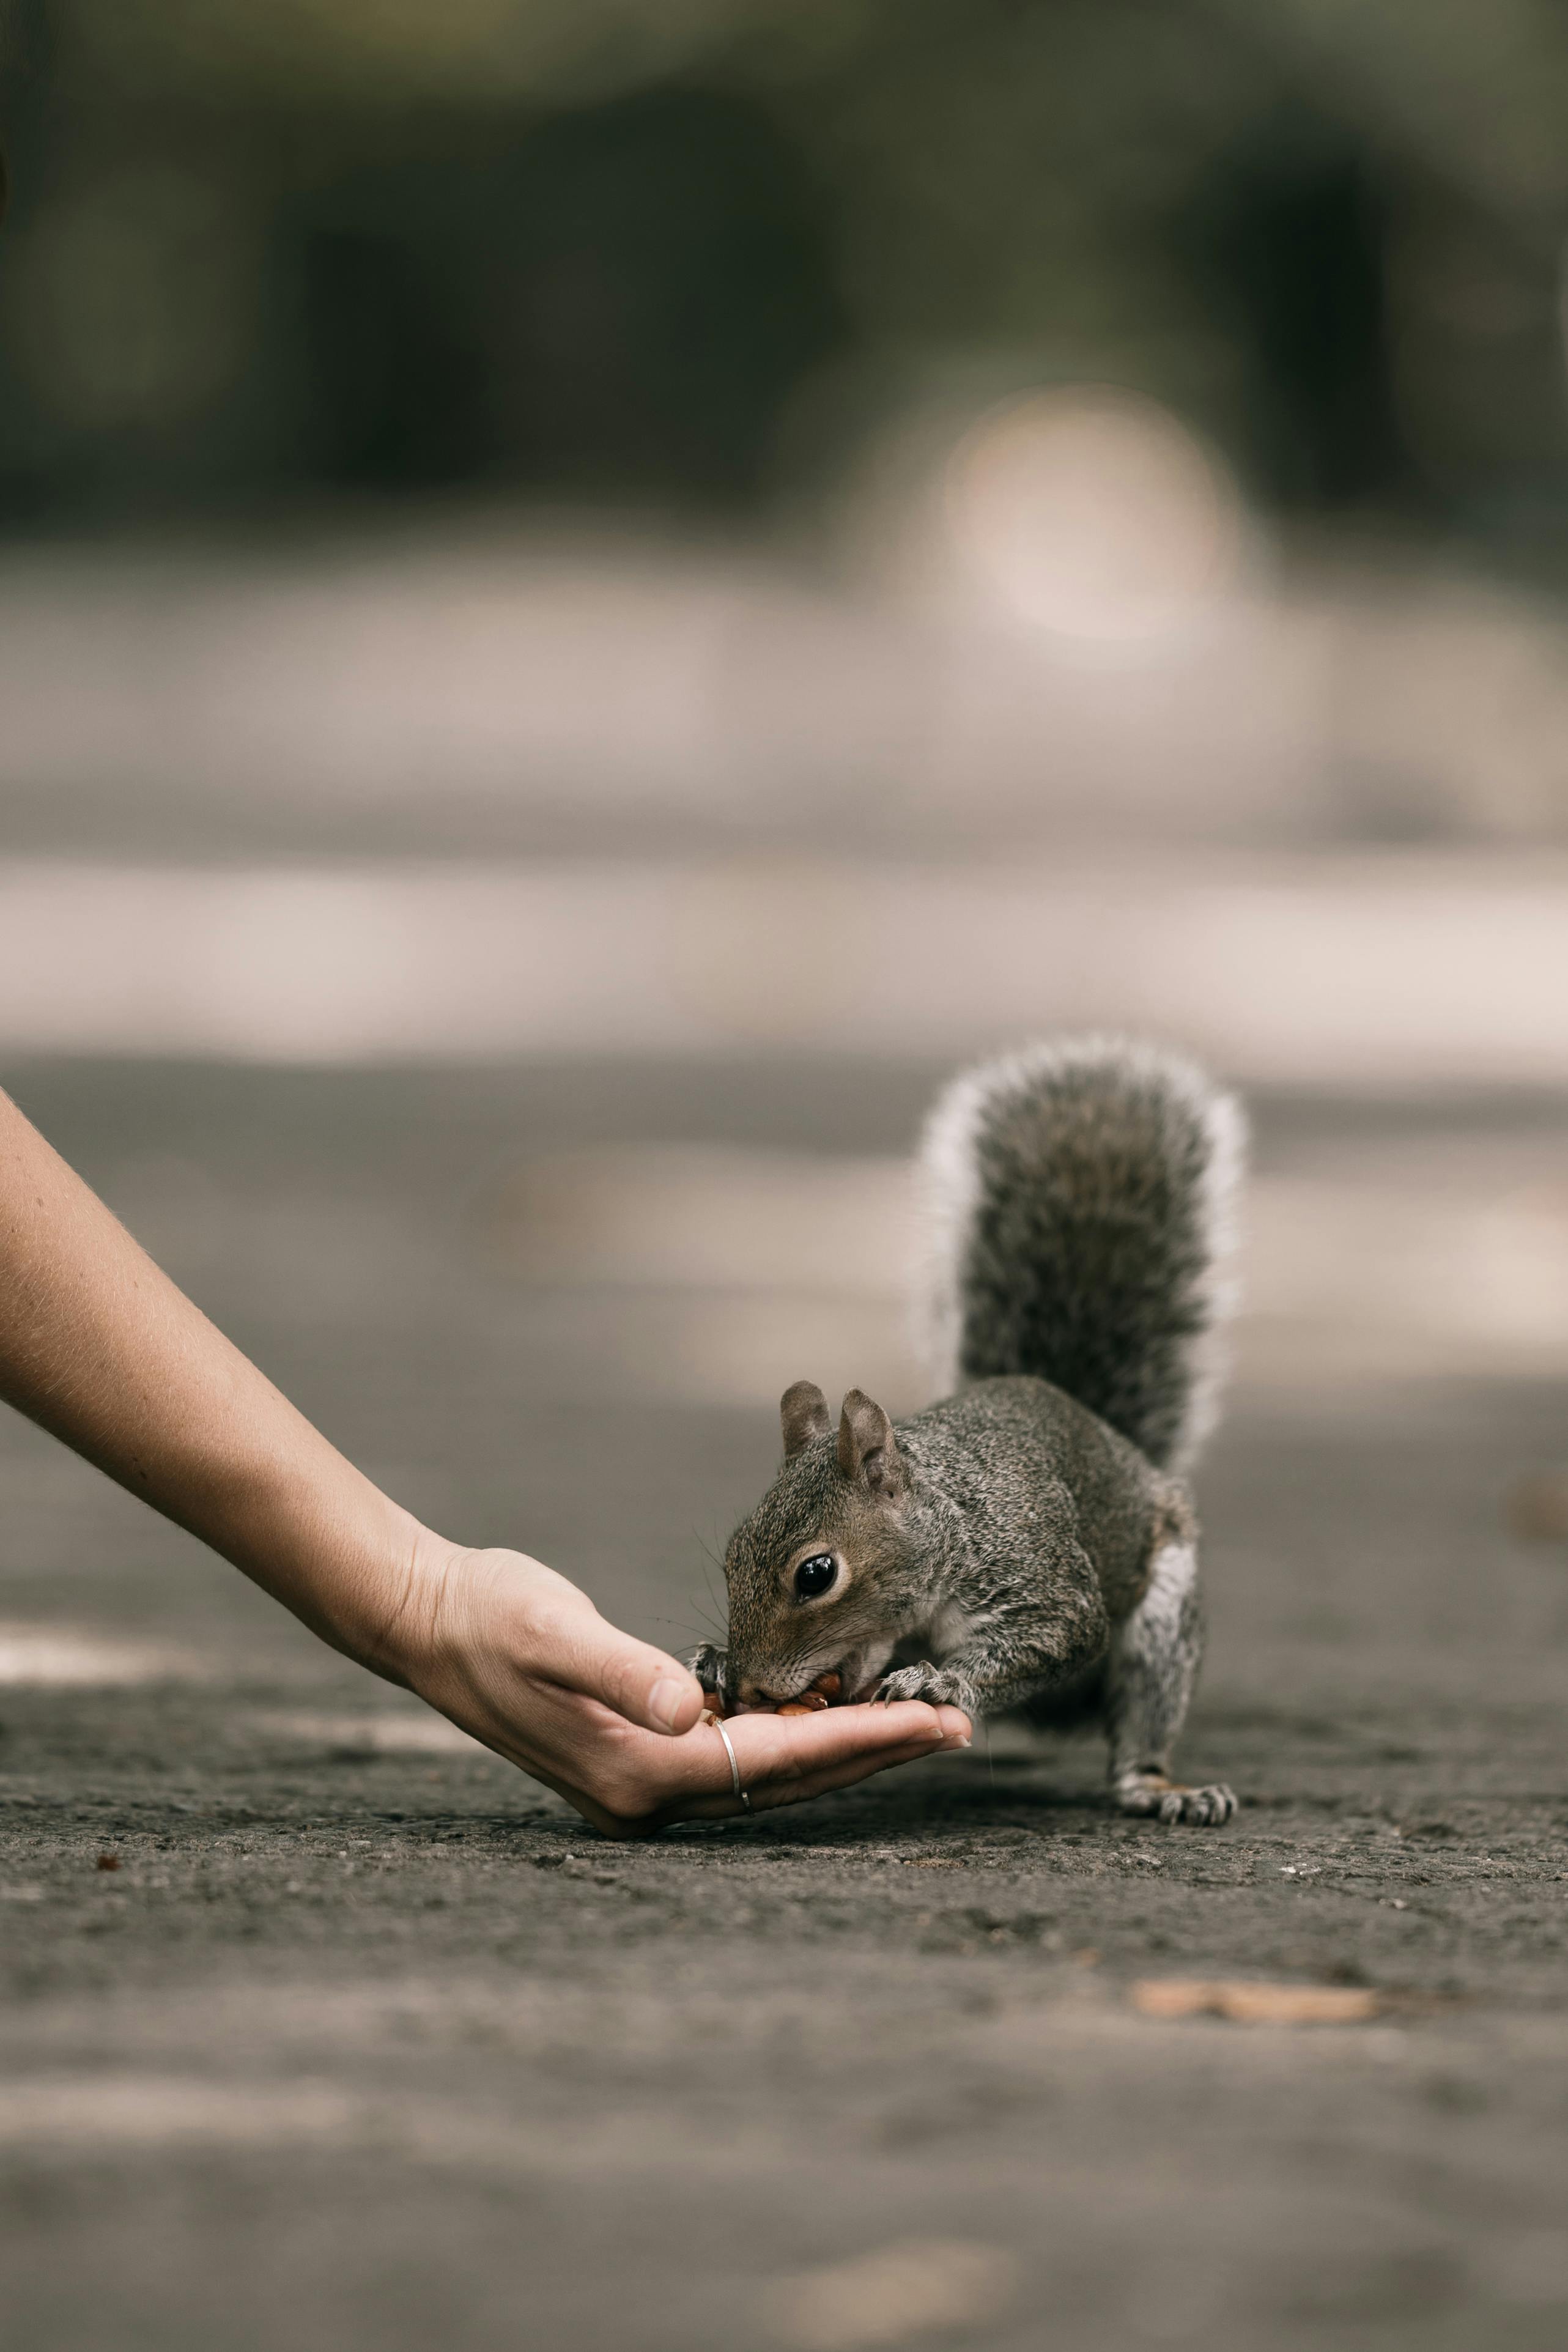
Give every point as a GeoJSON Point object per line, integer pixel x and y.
{"type": "Point", "coordinates": [938, 1685]}
{"type": "Point", "coordinates": [1172, 1800]}
{"type": "Point", "coordinates": [708, 1664]}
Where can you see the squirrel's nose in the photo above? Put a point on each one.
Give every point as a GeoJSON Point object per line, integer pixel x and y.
{"type": "Point", "coordinates": [752, 1694]}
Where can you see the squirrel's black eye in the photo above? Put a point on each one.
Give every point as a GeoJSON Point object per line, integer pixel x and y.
{"type": "Point", "coordinates": [815, 1575]}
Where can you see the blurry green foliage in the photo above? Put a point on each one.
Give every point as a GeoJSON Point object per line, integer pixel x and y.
{"type": "Point", "coordinates": [618, 244]}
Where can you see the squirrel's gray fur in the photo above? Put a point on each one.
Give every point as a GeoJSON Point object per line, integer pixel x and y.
{"type": "Point", "coordinates": [1026, 1541]}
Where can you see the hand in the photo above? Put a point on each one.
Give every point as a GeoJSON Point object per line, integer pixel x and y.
{"type": "Point", "coordinates": [523, 1661]}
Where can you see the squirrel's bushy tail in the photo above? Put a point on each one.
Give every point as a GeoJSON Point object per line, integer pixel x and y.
{"type": "Point", "coordinates": [1081, 1199]}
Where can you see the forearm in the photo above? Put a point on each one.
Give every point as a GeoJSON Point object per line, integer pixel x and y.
{"type": "Point", "coordinates": [100, 1348]}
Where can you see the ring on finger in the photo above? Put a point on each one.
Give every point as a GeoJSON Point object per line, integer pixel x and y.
{"type": "Point", "coordinates": [735, 1764]}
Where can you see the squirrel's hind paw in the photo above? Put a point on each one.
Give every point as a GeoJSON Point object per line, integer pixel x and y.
{"type": "Point", "coordinates": [1170, 1801]}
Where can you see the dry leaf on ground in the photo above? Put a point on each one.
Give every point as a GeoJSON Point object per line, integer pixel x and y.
{"type": "Point", "coordinates": [1249, 2003]}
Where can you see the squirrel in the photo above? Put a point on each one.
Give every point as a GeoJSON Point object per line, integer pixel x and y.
{"type": "Point", "coordinates": [1029, 1542]}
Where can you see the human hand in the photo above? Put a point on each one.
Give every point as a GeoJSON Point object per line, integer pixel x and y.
{"type": "Point", "coordinates": [522, 1660]}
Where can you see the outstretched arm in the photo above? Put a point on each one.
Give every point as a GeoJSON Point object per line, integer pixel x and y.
{"type": "Point", "coordinates": [97, 1346]}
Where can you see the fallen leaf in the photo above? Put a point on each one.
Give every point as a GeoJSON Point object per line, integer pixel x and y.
{"type": "Point", "coordinates": [109, 1861]}
{"type": "Point", "coordinates": [1245, 2002]}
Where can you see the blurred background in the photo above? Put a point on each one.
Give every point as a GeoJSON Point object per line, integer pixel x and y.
{"type": "Point", "coordinates": [736, 539]}
{"type": "Point", "coordinates": [591, 596]}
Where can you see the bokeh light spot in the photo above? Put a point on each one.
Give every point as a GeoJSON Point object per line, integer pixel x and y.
{"type": "Point", "coordinates": [1094, 513]}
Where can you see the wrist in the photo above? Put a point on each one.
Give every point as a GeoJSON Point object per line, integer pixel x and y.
{"type": "Point", "coordinates": [356, 1567]}
{"type": "Point", "coordinates": [395, 1596]}
{"type": "Point", "coordinates": [415, 1635]}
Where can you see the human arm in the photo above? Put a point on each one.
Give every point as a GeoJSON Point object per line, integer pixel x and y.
{"type": "Point", "coordinates": [101, 1347]}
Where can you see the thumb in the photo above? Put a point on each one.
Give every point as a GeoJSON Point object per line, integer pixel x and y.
{"type": "Point", "coordinates": [645, 1684]}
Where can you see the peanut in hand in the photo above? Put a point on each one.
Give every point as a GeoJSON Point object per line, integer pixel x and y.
{"type": "Point", "coordinates": [823, 1692]}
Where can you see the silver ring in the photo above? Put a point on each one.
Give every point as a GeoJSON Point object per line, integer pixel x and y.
{"type": "Point", "coordinates": [734, 1763]}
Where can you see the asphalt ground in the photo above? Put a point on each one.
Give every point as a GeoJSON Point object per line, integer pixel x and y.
{"type": "Point", "coordinates": [322, 2031]}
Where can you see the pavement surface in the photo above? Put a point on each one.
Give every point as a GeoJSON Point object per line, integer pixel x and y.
{"type": "Point", "coordinates": [322, 2029]}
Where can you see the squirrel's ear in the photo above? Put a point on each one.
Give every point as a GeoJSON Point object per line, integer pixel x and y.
{"type": "Point", "coordinates": [803, 1412]}
{"type": "Point", "coordinates": [867, 1447]}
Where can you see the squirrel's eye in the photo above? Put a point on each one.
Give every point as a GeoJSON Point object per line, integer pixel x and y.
{"type": "Point", "coordinates": [815, 1575]}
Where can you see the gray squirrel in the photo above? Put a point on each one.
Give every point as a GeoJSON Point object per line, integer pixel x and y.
{"type": "Point", "coordinates": [1027, 1542]}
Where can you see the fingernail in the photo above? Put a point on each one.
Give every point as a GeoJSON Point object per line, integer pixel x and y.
{"type": "Point", "coordinates": [665, 1701]}
{"type": "Point", "coordinates": [957, 1739]}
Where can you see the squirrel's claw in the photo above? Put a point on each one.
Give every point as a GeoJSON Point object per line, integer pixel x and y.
{"type": "Point", "coordinates": [937, 1686]}
{"type": "Point", "coordinates": [707, 1664]}
{"type": "Point", "coordinates": [1208, 1806]}
{"type": "Point", "coordinates": [1171, 1802]}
